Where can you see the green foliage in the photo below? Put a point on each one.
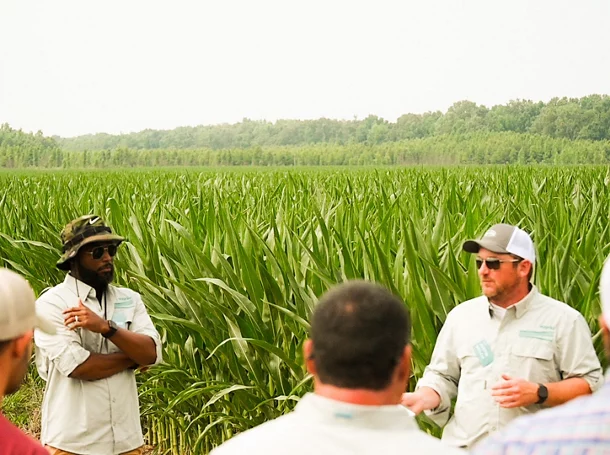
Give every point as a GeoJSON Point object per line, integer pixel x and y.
{"type": "Point", "coordinates": [561, 118]}
{"type": "Point", "coordinates": [476, 148]}
{"type": "Point", "coordinates": [231, 263]}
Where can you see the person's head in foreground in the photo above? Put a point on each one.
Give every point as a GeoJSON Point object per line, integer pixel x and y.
{"type": "Point", "coordinates": [88, 251]}
{"type": "Point", "coordinates": [359, 350]}
{"type": "Point", "coordinates": [17, 322]}
{"type": "Point", "coordinates": [505, 258]}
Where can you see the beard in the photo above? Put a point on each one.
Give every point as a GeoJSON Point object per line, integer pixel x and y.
{"type": "Point", "coordinates": [95, 279]}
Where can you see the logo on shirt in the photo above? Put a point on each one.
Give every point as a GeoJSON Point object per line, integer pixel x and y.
{"type": "Point", "coordinates": [483, 351]}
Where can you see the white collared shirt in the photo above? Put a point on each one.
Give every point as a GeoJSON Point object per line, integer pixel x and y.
{"type": "Point", "coordinates": [319, 425]}
{"type": "Point", "coordinates": [538, 339]}
{"type": "Point", "coordinates": [89, 417]}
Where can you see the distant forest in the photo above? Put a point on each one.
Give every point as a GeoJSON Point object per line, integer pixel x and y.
{"type": "Point", "coordinates": [562, 131]}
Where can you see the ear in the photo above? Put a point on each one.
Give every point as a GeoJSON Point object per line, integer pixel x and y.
{"type": "Point", "coordinates": [22, 344]}
{"type": "Point", "coordinates": [524, 268]}
{"type": "Point", "coordinates": [404, 364]}
{"type": "Point", "coordinates": [308, 353]}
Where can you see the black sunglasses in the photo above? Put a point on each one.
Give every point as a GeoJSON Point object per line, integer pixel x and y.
{"type": "Point", "coordinates": [98, 251]}
{"type": "Point", "coordinates": [494, 263]}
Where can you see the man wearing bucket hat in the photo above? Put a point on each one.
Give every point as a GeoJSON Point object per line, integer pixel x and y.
{"type": "Point", "coordinates": [18, 319]}
{"type": "Point", "coordinates": [580, 426]}
{"type": "Point", "coordinates": [507, 353]}
{"type": "Point", "coordinates": [90, 406]}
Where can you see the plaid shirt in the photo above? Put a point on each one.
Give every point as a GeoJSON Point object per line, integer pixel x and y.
{"type": "Point", "coordinates": [580, 427]}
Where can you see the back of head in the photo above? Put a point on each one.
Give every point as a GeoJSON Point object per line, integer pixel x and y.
{"type": "Point", "coordinates": [359, 331]}
{"type": "Point", "coordinates": [17, 305]}
{"type": "Point", "coordinates": [18, 308]}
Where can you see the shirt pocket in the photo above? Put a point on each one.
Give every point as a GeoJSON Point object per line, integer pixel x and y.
{"type": "Point", "coordinates": [472, 374]}
{"type": "Point", "coordinates": [534, 361]}
{"type": "Point", "coordinates": [123, 315]}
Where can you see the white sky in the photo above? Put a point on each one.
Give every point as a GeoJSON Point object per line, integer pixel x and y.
{"type": "Point", "coordinates": [76, 67]}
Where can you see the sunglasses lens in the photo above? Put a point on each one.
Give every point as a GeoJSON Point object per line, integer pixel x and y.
{"type": "Point", "coordinates": [492, 264]}
{"type": "Point", "coordinates": [112, 250]}
{"type": "Point", "coordinates": [97, 252]}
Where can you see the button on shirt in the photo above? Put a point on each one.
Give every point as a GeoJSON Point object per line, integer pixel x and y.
{"type": "Point", "coordinates": [89, 417]}
{"type": "Point", "coordinates": [319, 425]}
{"type": "Point", "coordinates": [538, 339]}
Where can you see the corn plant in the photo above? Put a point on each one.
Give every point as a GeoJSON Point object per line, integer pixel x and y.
{"type": "Point", "coordinates": [231, 263]}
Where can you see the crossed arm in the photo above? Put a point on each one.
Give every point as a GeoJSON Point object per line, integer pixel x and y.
{"type": "Point", "coordinates": [137, 349]}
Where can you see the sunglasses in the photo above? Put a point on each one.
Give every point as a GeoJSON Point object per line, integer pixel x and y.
{"type": "Point", "coordinates": [98, 251]}
{"type": "Point", "coordinates": [494, 263]}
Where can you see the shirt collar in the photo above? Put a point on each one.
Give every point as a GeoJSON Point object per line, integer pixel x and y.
{"type": "Point", "coordinates": [522, 305]}
{"type": "Point", "coordinates": [327, 411]}
{"type": "Point", "coordinates": [83, 290]}
{"type": "Point", "coordinates": [77, 287]}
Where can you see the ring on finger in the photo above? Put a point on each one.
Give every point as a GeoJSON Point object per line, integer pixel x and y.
{"type": "Point", "coordinates": [76, 318]}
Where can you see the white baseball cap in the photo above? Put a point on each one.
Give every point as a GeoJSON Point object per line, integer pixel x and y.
{"type": "Point", "coordinates": [504, 238]}
{"type": "Point", "coordinates": [18, 307]}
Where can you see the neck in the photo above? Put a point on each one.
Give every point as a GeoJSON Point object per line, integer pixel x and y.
{"type": "Point", "coordinates": [92, 281]}
{"type": "Point", "coordinates": [363, 397]}
{"type": "Point", "coordinates": [3, 381]}
{"type": "Point", "coordinates": [512, 296]}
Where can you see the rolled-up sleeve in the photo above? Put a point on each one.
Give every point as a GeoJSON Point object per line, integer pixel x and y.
{"type": "Point", "coordinates": [143, 325]}
{"type": "Point", "coordinates": [63, 350]}
{"type": "Point", "coordinates": [443, 373]}
{"type": "Point", "coordinates": [577, 358]}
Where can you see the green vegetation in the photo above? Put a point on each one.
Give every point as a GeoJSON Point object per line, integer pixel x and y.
{"type": "Point", "coordinates": [230, 263]}
{"type": "Point", "coordinates": [586, 118]}
{"type": "Point", "coordinates": [563, 131]}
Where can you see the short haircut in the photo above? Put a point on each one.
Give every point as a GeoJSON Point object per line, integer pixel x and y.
{"type": "Point", "coordinates": [359, 331]}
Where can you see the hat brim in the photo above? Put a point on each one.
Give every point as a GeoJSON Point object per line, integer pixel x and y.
{"type": "Point", "coordinates": [63, 263]}
{"type": "Point", "coordinates": [473, 246]}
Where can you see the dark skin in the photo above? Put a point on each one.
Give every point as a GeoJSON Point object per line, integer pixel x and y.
{"type": "Point", "coordinates": [137, 349]}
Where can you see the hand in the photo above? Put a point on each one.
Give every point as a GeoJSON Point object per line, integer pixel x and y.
{"type": "Point", "coordinates": [81, 316]}
{"type": "Point", "coordinates": [422, 400]}
{"type": "Point", "coordinates": [514, 392]}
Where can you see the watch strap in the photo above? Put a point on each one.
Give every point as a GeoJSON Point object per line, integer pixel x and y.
{"type": "Point", "coordinates": [112, 331]}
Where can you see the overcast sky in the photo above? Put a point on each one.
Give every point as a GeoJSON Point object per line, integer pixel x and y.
{"type": "Point", "coordinates": [77, 67]}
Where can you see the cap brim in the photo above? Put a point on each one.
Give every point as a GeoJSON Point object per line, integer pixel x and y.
{"type": "Point", "coordinates": [62, 264]}
{"type": "Point", "coordinates": [45, 325]}
{"type": "Point", "coordinates": [473, 246]}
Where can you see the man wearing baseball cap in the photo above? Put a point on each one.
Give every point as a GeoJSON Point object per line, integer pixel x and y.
{"type": "Point", "coordinates": [580, 426]}
{"type": "Point", "coordinates": [510, 352]}
{"type": "Point", "coordinates": [18, 319]}
{"type": "Point", "coordinates": [90, 405]}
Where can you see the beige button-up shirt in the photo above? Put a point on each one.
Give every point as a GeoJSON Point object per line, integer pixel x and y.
{"type": "Point", "coordinates": [319, 425]}
{"type": "Point", "coordinates": [538, 339]}
{"type": "Point", "coordinates": [89, 417]}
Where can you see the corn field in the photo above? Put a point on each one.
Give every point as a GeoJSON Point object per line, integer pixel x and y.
{"type": "Point", "coordinates": [230, 264]}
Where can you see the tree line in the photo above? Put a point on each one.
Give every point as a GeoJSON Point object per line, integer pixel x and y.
{"type": "Point", "coordinates": [477, 148]}
{"type": "Point", "coordinates": [570, 118]}
{"type": "Point", "coordinates": [563, 131]}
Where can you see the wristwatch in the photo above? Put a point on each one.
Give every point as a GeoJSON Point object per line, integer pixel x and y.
{"type": "Point", "coordinates": [112, 331]}
{"type": "Point", "coordinates": [543, 393]}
